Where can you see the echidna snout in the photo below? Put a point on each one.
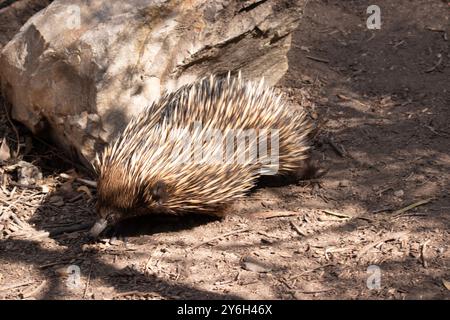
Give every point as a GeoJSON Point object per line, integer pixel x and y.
{"type": "Point", "coordinates": [106, 217]}
{"type": "Point", "coordinates": [98, 227]}
{"type": "Point", "coordinates": [125, 203]}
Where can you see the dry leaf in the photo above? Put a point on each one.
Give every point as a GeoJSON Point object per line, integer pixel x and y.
{"type": "Point", "coordinates": [45, 188]}
{"type": "Point", "coordinates": [446, 284]}
{"type": "Point", "coordinates": [251, 264]}
{"type": "Point", "coordinates": [85, 190]}
{"type": "Point", "coordinates": [5, 152]}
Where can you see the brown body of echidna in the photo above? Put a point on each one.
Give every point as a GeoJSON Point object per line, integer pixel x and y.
{"type": "Point", "coordinates": [199, 148]}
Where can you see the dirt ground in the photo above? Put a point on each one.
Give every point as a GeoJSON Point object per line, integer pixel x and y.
{"type": "Point", "coordinates": [382, 98]}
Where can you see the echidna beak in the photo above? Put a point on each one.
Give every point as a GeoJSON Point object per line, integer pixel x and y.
{"type": "Point", "coordinates": [98, 228]}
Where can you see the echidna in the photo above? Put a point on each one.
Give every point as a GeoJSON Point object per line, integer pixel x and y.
{"type": "Point", "coordinates": [199, 148]}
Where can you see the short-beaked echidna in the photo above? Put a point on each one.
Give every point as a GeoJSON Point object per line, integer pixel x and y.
{"type": "Point", "coordinates": [199, 148]}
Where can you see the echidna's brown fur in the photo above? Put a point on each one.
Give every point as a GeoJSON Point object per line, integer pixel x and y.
{"type": "Point", "coordinates": [138, 173]}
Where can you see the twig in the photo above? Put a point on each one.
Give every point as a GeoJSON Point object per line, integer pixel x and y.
{"type": "Point", "coordinates": [17, 220]}
{"type": "Point", "coordinates": [221, 236]}
{"type": "Point", "coordinates": [58, 152]}
{"type": "Point", "coordinates": [385, 209]}
{"type": "Point", "coordinates": [16, 285]}
{"type": "Point", "coordinates": [436, 65]}
{"type": "Point", "coordinates": [399, 43]}
{"type": "Point", "coordinates": [35, 291]}
{"type": "Point", "coordinates": [25, 186]}
{"type": "Point", "coordinates": [443, 134]}
{"type": "Point", "coordinates": [14, 129]}
{"type": "Point", "coordinates": [314, 291]}
{"type": "Point", "coordinates": [318, 59]}
{"type": "Point", "coordinates": [345, 98]}
{"type": "Point", "coordinates": [365, 219]}
{"type": "Point", "coordinates": [304, 7]}
{"type": "Point", "coordinates": [89, 183]}
{"type": "Point", "coordinates": [435, 29]}
{"type": "Point", "coordinates": [9, 213]}
{"type": "Point", "coordinates": [444, 33]}
{"type": "Point", "coordinates": [148, 263]}
{"type": "Point", "coordinates": [87, 282]}
{"type": "Point", "coordinates": [337, 250]}
{"type": "Point", "coordinates": [29, 235]}
{"type": "Point", "coordinates": [336, 214]}
{"type": "Point", "coordinates": [371, 37]}
{"type": "Point", "coordinates": [268, 235]}
{"type": "Point", "coordinates": [133, 293]}
{"type": "Point", "coordinates": [57, 225]}
{"type": "Point", "coordinates": [411, 206]}
{"type": "Point", "coordinates": [70, 229]}
{"type": "Point", "coordinates": [286, 283]}
{"type": "Point", "coordinates": [334, 146]}
{"type": "Point", "coordinates": [297, 229]}
{"type": "Point", "coordinates": [276, 214]}
{"type": "Point", "coordinates": [44, 266]}
{"type": "Point", "coordinates": [311, 270]}
{"type": "Point", "coordinates": [128, 293]}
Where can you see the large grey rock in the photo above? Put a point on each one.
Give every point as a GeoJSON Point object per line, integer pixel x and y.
{"type": "Point", "coordinates": [78, 70]}
{"type": "Point", "coordinates": [13, 15]}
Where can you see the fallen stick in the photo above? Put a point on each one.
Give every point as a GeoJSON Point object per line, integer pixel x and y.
{"type": "Point", "coordinates": [44, 266]}
{"type": "Point", "coordinates": [313, 291]}
{"type": "Point", "coordinates": [438, 63]}
{"type": "Point", "coordinates": [311, 270]}
{"type": "Point", "coordinates": [334, 146]}
{"type": "Point", "coordinates": [69, 229]}
{"type": "Point", "coordinates": [7, 203]}
{"type": "Point", "coordinates": [276, 214]}
{"type": "Point", "coordinates": [268, 235]}
{"type": "Point", "coordinates": [87, 282]}
{"type": "Point", "coordinates": [16, 285]}
{"type": "Point", "coordinates": [16, 132]}
{"type": "Point", "coordinates": [148, 263]}
{"type": "Point", "coordinates": [297, 229]}
{"type": "Point", "coordinates": [35, 291]}
{"type": "Point", "coordinates": [133, 293]}
{"type": "Point", "coordinates": [411, 206]}
{"type": "Point", "coordinates": [443, 134]}
{"type": "Point", "coordinates": [25, 186]}
{"type": "Point", "coordinates": [220, 236]}
{"type": "Point", "coordinates": [16, 219]}
{"type": "Point", "coordinates": [435, 29]}
{"type": "Point", "coordinates": [337, 214]}
{"type": "Point", "coordinates": [318, 59]}
{"type": "Point", "coordinates": [89, 183]}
